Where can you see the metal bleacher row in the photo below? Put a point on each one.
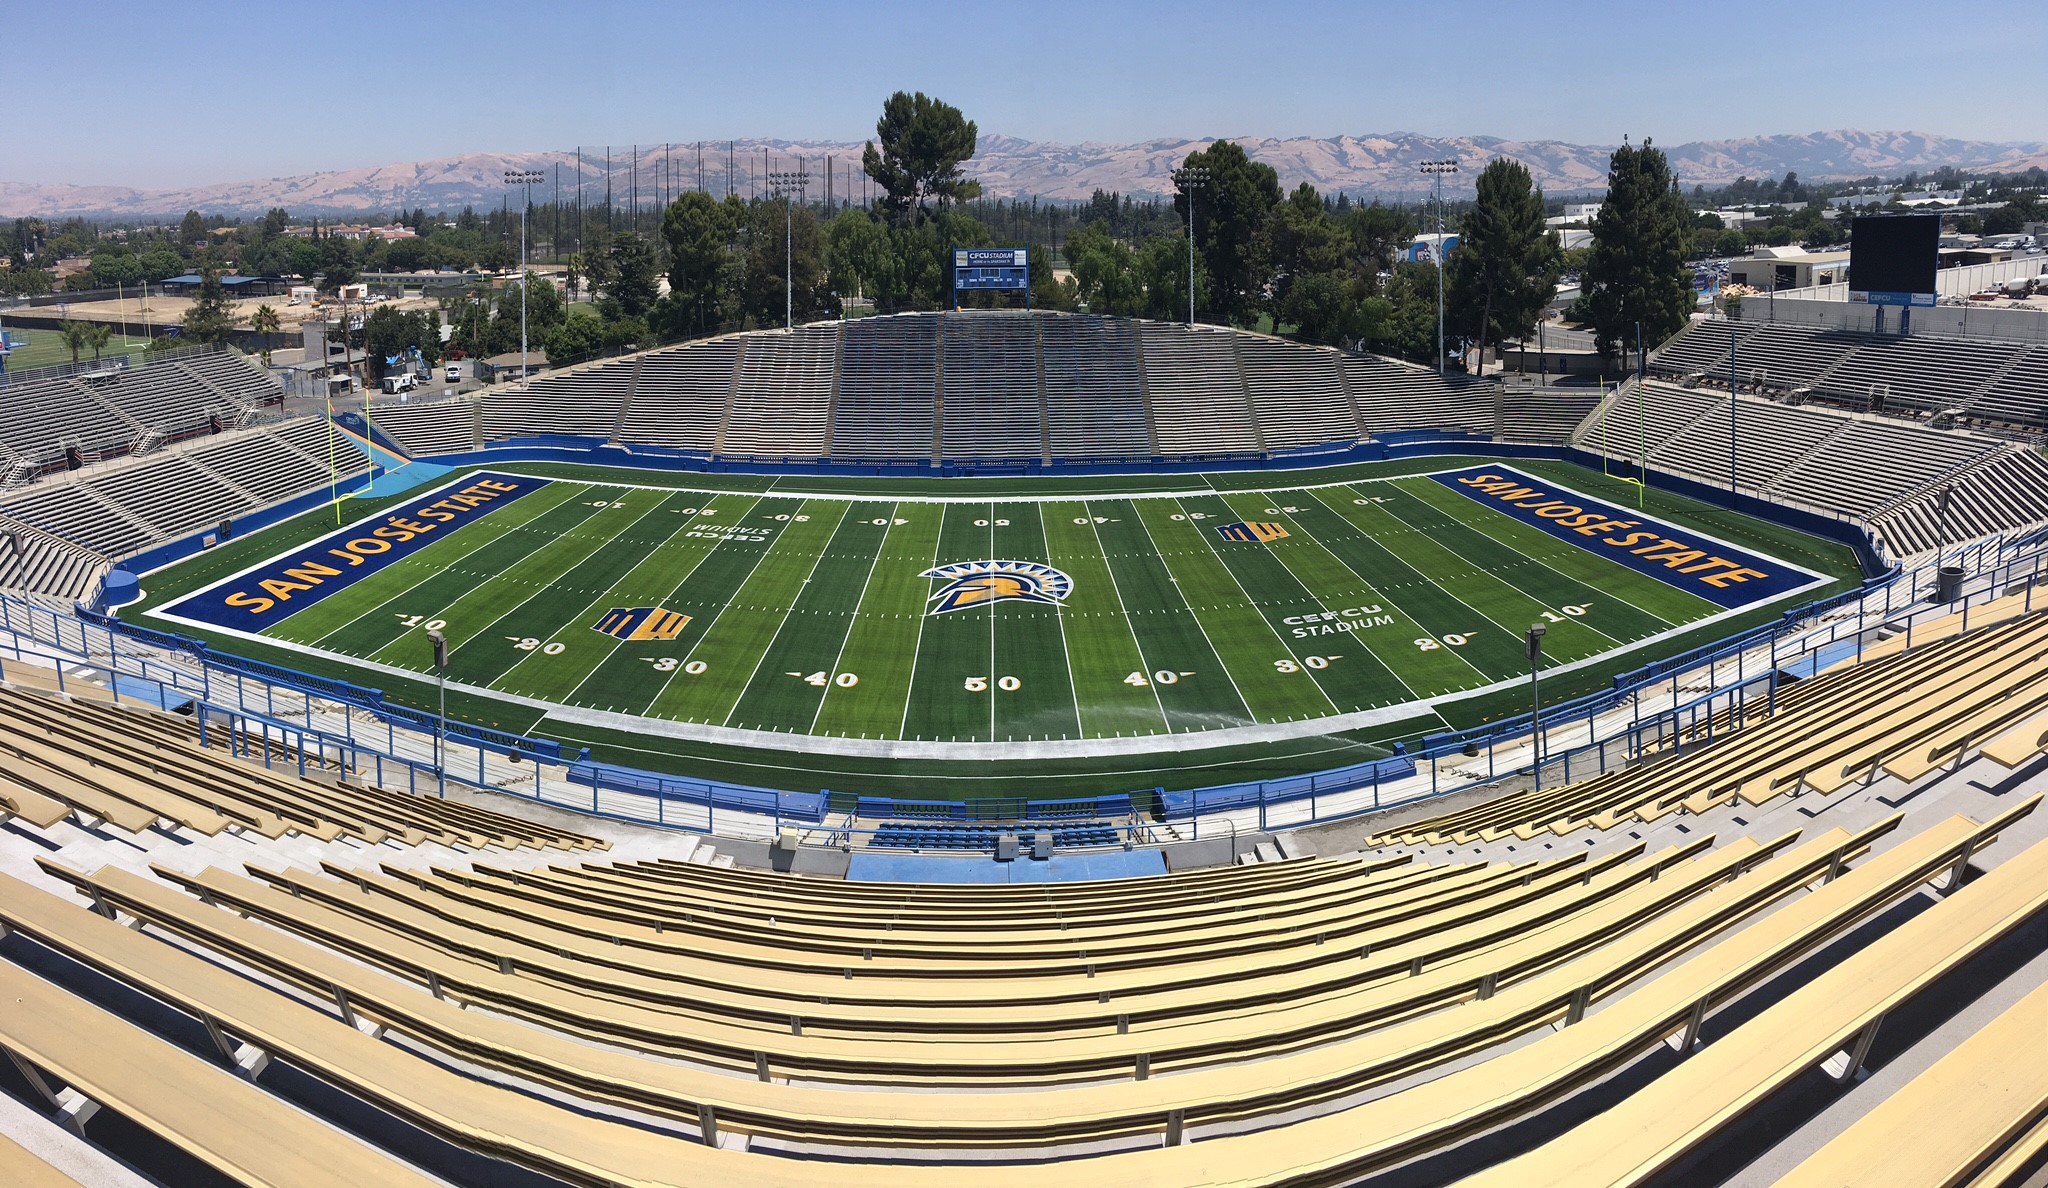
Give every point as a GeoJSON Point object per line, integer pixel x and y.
{"type": "Point", "coordinates": [2002, 383]}
{"type": "Point", "coordinates": [942, 835]}
{"type": "Point", "coordinates": [1888, 473]}
{"type": "Point", "coordinates": [990, 387]}
{"type": "Point", "coordinates": [1313, 1020]}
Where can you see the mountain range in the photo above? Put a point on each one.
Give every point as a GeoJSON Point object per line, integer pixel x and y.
{"type": "Point", "coordinates": [1373, 165]}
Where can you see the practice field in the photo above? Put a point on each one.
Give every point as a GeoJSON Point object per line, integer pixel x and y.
{"type": "Point", "coordinates": [1045, 624]}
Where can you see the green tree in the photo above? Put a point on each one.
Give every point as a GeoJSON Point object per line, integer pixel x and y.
{"type": "Point", "coordinates": [1230, 229]}
{"type": "Point", "coordinates": [634, 276]}
{"type": "Point", "coordinates": [211, 319]}
{"type": "Point", "coordinates": [923, 142]}
{"type": "Point", "coordinates": [161, 263]}
{"type": "Point", "coordinates": [77, 336]}
{"type": "Point", "coordinates": [580, 336]}
{"type": "Point", "coordinates": [1105, 270]}
{"type": "Point", "coordinates": [337, 264]}
{"type": "Point", "coordinates": [1635, 272]}
{"type": "Point", "coordinates": [1163, 267]}
{"type": "Point", "coordinates": [699, 232]}
{"type": "Point", "coordinates": [1304, 242]}
{"type": "Point", "coordinates": [192, 229]}
{"type": "Point", "coordinates": [1323, 307]}
{"type": "Point", "coordinates": [97, 337]}
{"type": "Point", "coordinates": [768, 289]}
{"type": "Point", "coordinates": [1506, 265]}
{"type": "Point", "coordinates": [861, 261]}
{"type": "Point", "coordinates": [265, 323]}
{"type": "Point", "coordinates": [1730, 243]}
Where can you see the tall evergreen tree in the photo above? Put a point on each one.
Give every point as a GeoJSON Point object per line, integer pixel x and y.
{"type": "Point", "coordinates": [1635, 270]}
{"type": "Point", "coordinates": [212, 317]}
{"type": "Point", "coordinates": [923, 142]}
{"type": "Point", "coordinates": [1506, 265]}
{"type": "Point", "coordinates": [1231, 233]}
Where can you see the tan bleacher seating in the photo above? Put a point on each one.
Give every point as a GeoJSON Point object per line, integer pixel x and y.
{"type": "Point", "coordinates": [59, 749]}
{"type": "Point", "coordinates": [1645, 997]}
{"type": "Point", "coordinates": [1835, 1013]}
{"type": "Point", "coordinates": [1823, 733]}
{"type": "Point", "coordinates": [26, 1169]}
{"type": "Point", "coordinates": [1953, 1120]}
{"type": "Point", "coordinates": [237, 1129]}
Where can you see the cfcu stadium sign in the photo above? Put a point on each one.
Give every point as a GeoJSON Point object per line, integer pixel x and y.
{"type": "Point", "coordinates": [1718, 572]}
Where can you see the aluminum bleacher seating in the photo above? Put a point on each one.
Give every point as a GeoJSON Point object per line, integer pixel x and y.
{"type": "Point", "coordinates": [1298, 393]}
{"type": "Point", "coordinates": [1094, 387]}
{"type": "Point", "coordinates": [953, 835]}
{"type": "Point", "coordinates": [39, 563]}
{"type": "Point", "coordinates": [887, 402]}
{"type": "Point", "coordinates": [782, 395]}
{"type": "Point", "coordinates": [680, 397]}
{"type": "Point", "coordinates": [1196, 389]}
{"type": "Point", "coordinates": [1702, 346]}
{"type": "Point", "coordinates": [989, 404]}
{"type": "Point", "coordinates": [580, 402]}
{"type": "Point", "coordinates": [2018, 395]}
{"type": "Point", "coordinates": [39, 417]}
{"type": "Point", "coordinates": [1544, 414]}
{"type": "Point", "coordinates": [427, 430]}
{"type": "Point", "coordinates": [1398, 396]}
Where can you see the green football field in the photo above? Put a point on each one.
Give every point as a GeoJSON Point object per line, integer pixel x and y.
{"type": "Point", "coordinates": [1319, 612]}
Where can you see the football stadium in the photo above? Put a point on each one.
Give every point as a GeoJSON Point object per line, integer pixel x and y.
{"type": "Point", "coordinates": [985, 743]}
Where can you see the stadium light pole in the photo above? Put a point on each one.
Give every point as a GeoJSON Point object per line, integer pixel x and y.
{"type": "Point", "coordinates": [440, 643]}
{"type": "Point", "coordinates": [1536, 633]}
{"type": "Point", "coordinates": [1188, 179]}
{"type": "Point", "coordinates": [527, 178]}
{"type": "Point", "coordinates": [1437, 169]}
{"type": "Point", "coordinates": [783, 184]}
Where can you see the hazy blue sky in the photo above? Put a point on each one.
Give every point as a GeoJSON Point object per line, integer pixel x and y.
{"type": "Point", "coordinates": [158, 95]}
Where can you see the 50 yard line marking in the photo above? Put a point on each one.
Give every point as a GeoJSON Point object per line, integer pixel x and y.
{"type": "Point", "coordinates": [917, 644]}
{"type": "Point", "coordinates": [853, 617]}
{"type": "Point", "coordinates": [1059, 617]}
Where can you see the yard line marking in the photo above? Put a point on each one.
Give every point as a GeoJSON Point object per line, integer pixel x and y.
{"type": "Point", "coordinates": [854, 617]}
{"type": "Point", "coordinates": [1059, 615]}
{"type": "Point", "coordinates": [796, 505]}
{"type": "Point", "coordinates": [550, 587]}
{"type": "Point", "coordinates": [484, 541]}
{"type": "Point", "coordinates": [1252, 603]}
{"type": "Point", "coordinates": [613, 594]}
{"type": "Point", "coordinates": [1137, 643]}
{"type": "Point", "coordinates": [917, 643]}
{"type": "Point", "coordinates": [1203, 627]}
{"type": "Point", "coordinates": [1547, 565]}
{"type": "Point", "coordinates": [789, 612]}
{"type": "Point", "coordinates": [679, 584]}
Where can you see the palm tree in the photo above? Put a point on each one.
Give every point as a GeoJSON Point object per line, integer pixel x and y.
{"type": "Point", "coordinates": [264, 321]}
{"type": "Point", "coordinates": [77, 336]}
{"type": "Point", "coordinates": [96, 336]}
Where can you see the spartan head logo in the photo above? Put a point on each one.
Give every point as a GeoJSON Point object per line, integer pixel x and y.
{"type": "Point", "coordinates": [980, 583]}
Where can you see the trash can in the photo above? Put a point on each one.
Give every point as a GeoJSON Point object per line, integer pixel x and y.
{"type": "Point", "coordinates": [1948, 583]}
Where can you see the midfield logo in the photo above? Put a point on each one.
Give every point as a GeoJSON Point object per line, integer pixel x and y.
{"type": "Point", "coordinates": [979, 583]}
{"type": "Point", "coordinates": [641, 623]}
{"type": "Point", "coordinates": [1251, 530]}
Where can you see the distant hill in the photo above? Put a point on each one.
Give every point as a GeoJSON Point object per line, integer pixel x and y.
{"type": "Point", "coordinates": [1374, 164]}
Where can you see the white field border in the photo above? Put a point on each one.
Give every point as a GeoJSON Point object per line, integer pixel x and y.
{"type": "Point", "coordinates": [1047, 749]}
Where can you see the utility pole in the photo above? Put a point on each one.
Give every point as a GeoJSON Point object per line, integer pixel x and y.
{"type": "Point", "coordinates": [1437, 169]}
{"type": "Point", "coordinates": [1535, 641]}
{"type": "Point", "coordinates": [783, 184]}
{"type": "Point", "coordinates": [527, 178]}
{"type": "Point", "coordinates": [1189, 178]}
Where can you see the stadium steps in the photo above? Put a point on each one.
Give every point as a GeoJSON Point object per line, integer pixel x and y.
{"type": "Point", "coordinates": [1145, 394]}
{"type": "Point", "coordinates": [732, 389]}
{"type": "Point", "coordinates": [1244, 386]}
{"type": "Point", "coordinates": [832, 400]}
{"type": "Point", "coordinates": [1044, 406]}
{"type": "Point", "coordinates": [939, 393]}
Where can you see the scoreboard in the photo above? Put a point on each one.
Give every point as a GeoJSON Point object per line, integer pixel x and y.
{"type": "Point", "coordinates": [991, 268]}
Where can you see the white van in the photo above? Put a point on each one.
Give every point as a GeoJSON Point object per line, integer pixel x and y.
{"type": "Point", "coordinates": [399, 382]}
{"type": "Point", "coordinates": [454, 373]}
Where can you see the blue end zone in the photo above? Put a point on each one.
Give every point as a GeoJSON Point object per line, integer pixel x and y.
{"type": "Point", "coordinates": [408, 477]}
{"type": "Point", "coordinates": [870, 866]}
{"type": "Point", "coordinates": [1691, 561]}
{"type": "Point", "coordinates": [268, 592]}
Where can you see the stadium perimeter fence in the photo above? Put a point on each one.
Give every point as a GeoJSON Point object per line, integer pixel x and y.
{"type": "Point", "coordinates": [262, 711]}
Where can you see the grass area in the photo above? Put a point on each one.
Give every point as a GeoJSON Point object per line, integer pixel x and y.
{"type": "Point", "coordinates": [810, 616]}
{"type": "Point", "coordinates": [46, 349]}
